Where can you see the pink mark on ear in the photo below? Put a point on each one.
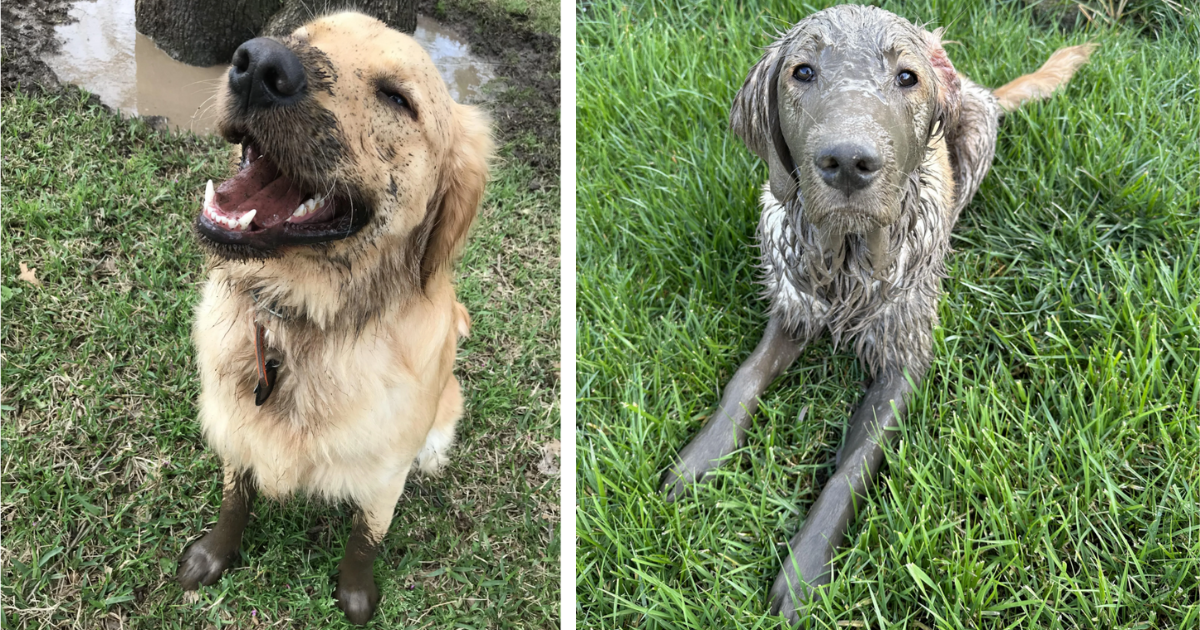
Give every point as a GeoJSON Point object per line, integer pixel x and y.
{"type": "Point", "coordinates": [948, 82]}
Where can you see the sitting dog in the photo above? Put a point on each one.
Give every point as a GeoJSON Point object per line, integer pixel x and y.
{"type": "Point", "coordinates": [328, 327]}
{"type": "Point", "coordinates": [874, 145]}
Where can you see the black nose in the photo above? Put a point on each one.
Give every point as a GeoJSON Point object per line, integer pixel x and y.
{"type": "Point", "coordinates": [266, 74]}
{"type": "Point", "coordinates": [849, 166]}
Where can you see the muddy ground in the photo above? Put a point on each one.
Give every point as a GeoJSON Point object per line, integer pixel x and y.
{"type": "Point", "coordinates": [27, 34]}
{"type": "Point", "coordinates": [525, 108]}
{"type": "Point", "coordinates": [527, 111]}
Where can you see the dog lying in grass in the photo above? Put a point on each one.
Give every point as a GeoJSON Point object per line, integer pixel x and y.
{"type": "Point", "coordinates": [874, 144]}
{"type": "Point", "coordinates": [328, 327]}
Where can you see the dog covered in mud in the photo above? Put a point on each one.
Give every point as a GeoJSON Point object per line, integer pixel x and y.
{"type": "Point", "coordinates": [328, 327]}
{"type": "Point", "coordinates": [874, 144]}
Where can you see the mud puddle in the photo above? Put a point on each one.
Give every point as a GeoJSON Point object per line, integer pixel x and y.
{"type": "Point", "coordinates": [464, 74]}
{"type": "Point", "coordinates": [102, 52]}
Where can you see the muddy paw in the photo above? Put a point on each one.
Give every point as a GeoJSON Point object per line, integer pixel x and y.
{"type": "Point", "coordinates": [357, 598]}
{"type": "Point", "coordinates": [674, 483]}
{"type": "Point", "coordinates": [803, 573]}
{"type": "Point", "coordinates": [785, 604]}
{"type": "Point", "coordinates": [203, 563]}
{"type": "Point", "coordinates": [690, 467]}
{"type": "Point", "coordinates": [790, 602]}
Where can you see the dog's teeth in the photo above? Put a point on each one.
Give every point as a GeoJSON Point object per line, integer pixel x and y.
{"type": "Point", "coordinates": [208, 194]}
{"type": "Point", "coordinates": [311, 204]}
{"type": "Point", "coordinates": [301, 210]}
{"type": "Point", "coordinates": [244, 222]}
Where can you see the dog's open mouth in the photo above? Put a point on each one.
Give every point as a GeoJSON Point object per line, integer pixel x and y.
{"type": "Point", "coordinates": [262, 208]}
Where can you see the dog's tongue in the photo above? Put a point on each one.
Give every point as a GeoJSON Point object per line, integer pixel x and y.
{"type": "Point", "coordinates": [260, 186]}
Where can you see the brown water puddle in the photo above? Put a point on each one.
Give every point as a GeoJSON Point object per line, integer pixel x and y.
{"type": "Point", "coordinates": [103, 53]}
{"type": "Point", "coordinates": [464, 75]}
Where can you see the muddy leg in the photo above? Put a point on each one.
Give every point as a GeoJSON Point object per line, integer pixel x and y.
{"type": "Point", "coordinates": [204, 561]}
{"type": "Point", "coordinates": [725, 431]}
{"type": "Point", "coordinates": [807, 566]}
{"type": "Point", "coordinates": [356, 592]}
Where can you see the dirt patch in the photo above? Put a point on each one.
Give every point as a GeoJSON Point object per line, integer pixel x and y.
{"type": "Point", "coordinates": [526, 111]}
{"type": "Point", "coordinates": [27, 31]}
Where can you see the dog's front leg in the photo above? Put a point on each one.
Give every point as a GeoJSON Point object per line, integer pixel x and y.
{"type": "Point", "coordinates": [725, 431]}
{"type": "Point", "coordinates": [356, 592]}
{"type": "Point", "coordinates": [810, 551]}
{"type": "Point", "coordinates": [205, 561]}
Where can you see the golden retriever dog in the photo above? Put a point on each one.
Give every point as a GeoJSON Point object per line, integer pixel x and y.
{"type": "Point", "coordinates": [328, 327]}
{"type": "Point", "coordinates": [874, 145]}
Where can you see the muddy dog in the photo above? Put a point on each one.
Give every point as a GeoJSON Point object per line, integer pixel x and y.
{"type": "Point", "coordinates": [874, 145]}
{"type": "Point", "coordinates": [328, 327]}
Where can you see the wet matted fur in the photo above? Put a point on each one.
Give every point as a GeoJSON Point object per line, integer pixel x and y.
{"type": "Point", "coordinates": [874, 144]}
{"type": "Point", "coordinates": [359, 311]}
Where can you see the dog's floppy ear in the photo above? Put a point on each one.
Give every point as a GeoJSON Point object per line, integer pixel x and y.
{"type": "Point", "coordinates": [949, 86]}
{"type": "Point", "coordinates": [464, 176]}
{"type": "Point", "coordinates": [754, 105]}
{"type": "Point", "coordinates": [754, 117]}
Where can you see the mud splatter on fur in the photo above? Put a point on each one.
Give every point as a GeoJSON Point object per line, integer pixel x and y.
{"type": "Point", "coordinates": [817, 267]}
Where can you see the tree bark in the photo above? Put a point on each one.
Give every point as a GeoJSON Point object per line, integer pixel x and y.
{"type": "Point", "coordinates": [398, 14]}
{"type": "Point", "coordinates": [203, 33]}
{"type": "Point", "coordinates": [206, 33]}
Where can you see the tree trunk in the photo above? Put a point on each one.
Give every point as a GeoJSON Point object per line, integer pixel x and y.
{"type": "Point", "coordinates": [203, 33]}
{"type": "Point", "coordinates": [398, 14]}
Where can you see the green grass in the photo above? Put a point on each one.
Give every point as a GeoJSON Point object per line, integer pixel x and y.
{"type": "Point", "coordinates": [1048, 473]}
{"type": "Point", "coordinates": [105, 476]}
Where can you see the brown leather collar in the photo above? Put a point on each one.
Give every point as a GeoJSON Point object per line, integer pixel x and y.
{"type": "Point", "coordinates": [267, 368]}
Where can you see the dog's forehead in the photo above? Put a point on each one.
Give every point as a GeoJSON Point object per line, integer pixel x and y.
{"type": "Point", "coordinates": [367, 43]}
{"type": "Point", "coordinates": [870, 30]}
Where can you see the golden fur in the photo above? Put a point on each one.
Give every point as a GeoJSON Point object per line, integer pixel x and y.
{"type": "Point", "coordinates": [366, 327]}
{"type": "Point", "coordinates": [1052, 75]}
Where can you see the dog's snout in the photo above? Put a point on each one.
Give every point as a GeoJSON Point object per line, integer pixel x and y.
{"type": "Point", "coordinates": [266, 73]}
{"type": "Point", "coordinates": [849, 166]}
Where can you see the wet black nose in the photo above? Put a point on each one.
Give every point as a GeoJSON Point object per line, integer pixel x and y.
{"type": "Point", "coordinates": [266, 74]}
{"type": "Point", "coordinates": [849, 166]}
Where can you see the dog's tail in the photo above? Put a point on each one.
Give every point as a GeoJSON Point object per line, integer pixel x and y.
{"type": "Point", "coordinates": [1052, 75]}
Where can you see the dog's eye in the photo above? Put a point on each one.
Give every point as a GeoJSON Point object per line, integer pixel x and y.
{"type": "Point", "coordinates": [906, 79]}
{"type": "Point", "coordinates": [804, 72]}
{"type": "Point", "coordinates": [396, 98]}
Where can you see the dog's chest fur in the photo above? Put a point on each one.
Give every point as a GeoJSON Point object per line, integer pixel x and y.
{"type": "Point", "coordinates": [886, 313]}
{"type": "Point", "coordinates": [350, 408]}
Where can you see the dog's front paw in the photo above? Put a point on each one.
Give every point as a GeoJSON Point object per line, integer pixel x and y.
{"type": "Point", "coordinates": [789, 602]}
{"type": "Point", "coordinates": [694, 461]}
{"type": "Point", "coordinates": [675, 481]}
{"type": "Point", "coordinates": [204, 562]}
{"type": "Point", "coordinates": [357, 597]}
{"type": "Point", "coordinates": [804, 571]}
{"type": "Point", "coordinates": [786, 608]}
